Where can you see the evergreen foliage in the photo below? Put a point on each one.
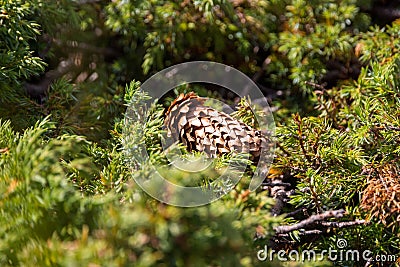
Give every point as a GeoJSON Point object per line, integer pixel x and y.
{"type": "Point", "coordinates": [69, 69]}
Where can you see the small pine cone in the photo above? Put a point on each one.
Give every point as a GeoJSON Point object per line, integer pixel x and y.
{"type": "Point", "coordinates": [205, 129]}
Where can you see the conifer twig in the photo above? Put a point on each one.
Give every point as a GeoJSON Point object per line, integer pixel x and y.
{"type": "Point", "coordinates": [309, 221]}
{"type": "Point", "coordinates": [343, 224]}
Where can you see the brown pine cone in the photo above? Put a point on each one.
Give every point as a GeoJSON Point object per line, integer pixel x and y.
{"type": "Point", "coordinates": [203, 128]}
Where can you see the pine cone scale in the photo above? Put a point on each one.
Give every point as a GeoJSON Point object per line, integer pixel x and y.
{"type": "Point", "coordinates": [202, 128]}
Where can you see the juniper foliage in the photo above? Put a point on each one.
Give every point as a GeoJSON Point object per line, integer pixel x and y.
{"type": "Point", "coordinates": [67, 190]}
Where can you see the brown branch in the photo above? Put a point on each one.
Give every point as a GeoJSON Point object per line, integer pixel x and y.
{"type": "Point", "coordinates": [393, 128]}
{"type": "Point", "coordinates": [302, 210]}
{"type": "Point", "coordinates": [280, 192]}
{"type": "Point", "coordinates": [302, 233]}
{"type": "Point", "coordinates": [276, 184]}
{"type": "Point", "coordinates": [343, 224]}
{"type": "Point", "coordinates": [299, 123]}
{"type": "Point", "coordinates": [309, 221]}
{"type": "Point", "coordinates": [315, 85]}
{"type": "Point", "coordinates": [4, 150]}
{"type": "Point", "coordinates": [39, 89]}
{"type": "Point", "coordinates": [83, 47]}
{"type": "Point", "coordinates": [327, 225]}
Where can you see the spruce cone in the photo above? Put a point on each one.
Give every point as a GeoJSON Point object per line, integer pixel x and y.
{"type": "Point", "coordinates": [203, 128]}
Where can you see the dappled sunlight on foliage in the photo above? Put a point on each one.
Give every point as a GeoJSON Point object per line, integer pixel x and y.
{"type": "Point", "coordinates": [68, 188]}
